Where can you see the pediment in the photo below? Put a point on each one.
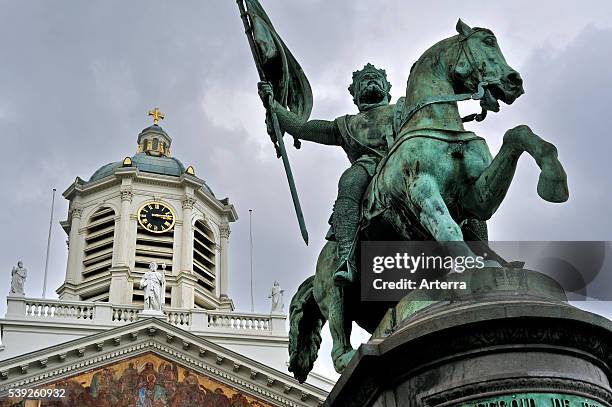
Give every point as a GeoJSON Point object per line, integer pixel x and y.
{"type": "Point", "coordinates": [167, 364]}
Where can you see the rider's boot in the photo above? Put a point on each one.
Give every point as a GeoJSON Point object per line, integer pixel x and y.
{"type": "Point", "coordinates": [346, 222]}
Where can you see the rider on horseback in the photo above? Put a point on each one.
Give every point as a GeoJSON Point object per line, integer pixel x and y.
{"type": "Point", "coordinates": [365, 137]}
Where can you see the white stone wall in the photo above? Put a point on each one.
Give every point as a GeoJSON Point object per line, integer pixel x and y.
{"type": "Point", "coordinates": [30, 323]}
{"type": "Point", "coordinates": [125, 193]}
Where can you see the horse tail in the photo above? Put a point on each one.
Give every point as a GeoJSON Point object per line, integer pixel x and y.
{"type": "Point", "coordinates": [305, 324]}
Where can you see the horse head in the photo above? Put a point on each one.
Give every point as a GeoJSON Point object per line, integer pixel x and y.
{"type": "Point", "coordinates": [480, 63]}
{"type": "Point", "coordinates": [469, 65]}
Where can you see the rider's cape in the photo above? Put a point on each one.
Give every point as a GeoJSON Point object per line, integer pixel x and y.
{"type": "Point", "coordinates": [291, 87]}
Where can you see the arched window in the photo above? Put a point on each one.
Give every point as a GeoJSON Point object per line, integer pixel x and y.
{"type": "Point", "coordinates": [155, 144]}
{"type": "Point", "coordinates": [99, 237]}
{"type": "Point", "coordinates": [204, 256]}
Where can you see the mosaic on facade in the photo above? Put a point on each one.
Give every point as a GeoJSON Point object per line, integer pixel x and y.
{"type": "Point", "coordinates": [143, 381]}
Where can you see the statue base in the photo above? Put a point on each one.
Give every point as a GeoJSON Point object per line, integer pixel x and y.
{"type": "Point", "coordinates": [511, 341]}
{"type": "Point", "coordinates": [151, 314]}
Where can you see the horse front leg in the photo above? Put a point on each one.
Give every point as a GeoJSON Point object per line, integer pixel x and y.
{"type": "Point", "coordinates": [424, 199]}
{"type": "Point", "coordinates": [490, 188]}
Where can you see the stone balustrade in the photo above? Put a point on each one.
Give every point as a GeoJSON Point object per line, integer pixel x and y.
{"type": "Point", "coordinates": [124, 313]}
{"type": "Point", "coordinates": [239, 321]}
{"type": "Point", "coordinates": [101, 314]}
{"type": "Point", "coordinates": [44, 309]}
{"type": "Point", "coordinates": [179, 317]}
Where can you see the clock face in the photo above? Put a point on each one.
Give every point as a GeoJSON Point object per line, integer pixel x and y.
{"type": "Point", "coordinates": [156, 217]}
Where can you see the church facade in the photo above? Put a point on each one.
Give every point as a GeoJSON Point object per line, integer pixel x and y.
{"type": "Point", "coordinates": [94, 346]}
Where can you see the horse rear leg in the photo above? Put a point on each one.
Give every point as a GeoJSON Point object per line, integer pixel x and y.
{"type": "Point", "coordinates": [340, 328]}
{"type": "Point", "coordinates": [490, 188]}
{"type": "Point", "coordinates": [332, 303]}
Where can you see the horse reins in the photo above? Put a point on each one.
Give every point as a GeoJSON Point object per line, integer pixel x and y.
{"type": "Point", "coordinates": [464, 49]}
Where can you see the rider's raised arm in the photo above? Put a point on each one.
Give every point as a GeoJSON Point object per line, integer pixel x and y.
{"type": "Point", "coordinates": [317, 131]}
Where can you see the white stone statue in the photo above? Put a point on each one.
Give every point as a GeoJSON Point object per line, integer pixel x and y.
{"type": "Point", "coordinates": [154, 284]}
{"type": "Point", "coordinates": [18, 278]}
{"type": "Point", "coordinates": [277, 299]}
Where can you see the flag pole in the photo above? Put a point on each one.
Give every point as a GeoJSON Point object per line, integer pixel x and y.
{"type": "Point", "coordinates": [275, 130]}
{"type": "Point", "coordinates": [251, 254]}
{"type": "Point", "coordinates": [44, 290]}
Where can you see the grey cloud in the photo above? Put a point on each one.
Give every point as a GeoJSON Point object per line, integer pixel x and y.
{"type": "Point", "coordinates": [77, 78]}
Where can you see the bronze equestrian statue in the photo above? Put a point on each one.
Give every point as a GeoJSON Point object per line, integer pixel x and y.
{"type": "Point", "coordinates": [416, 174]}
{"type": "Point", "coordinates": [436, 178]}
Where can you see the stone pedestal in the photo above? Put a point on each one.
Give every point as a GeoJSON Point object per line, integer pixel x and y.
{"type": "Point", "coordinates": [151, 314]}
{"type": "Point", "coordinates": [511, 341]}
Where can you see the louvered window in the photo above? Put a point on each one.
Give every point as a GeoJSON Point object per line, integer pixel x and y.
{"type": "Point", "coordinates": [99, 238]}
{"type": "Point", "coordinates": [204, 256]}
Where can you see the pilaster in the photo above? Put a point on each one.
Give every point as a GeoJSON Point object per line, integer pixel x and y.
{"type": "Point", "coordinates": [75, 253]}
{"type": "Point", "coordinates": [183, 292]}
{"type": "Point", "coordinates": [121, 286]}
{"type": "Point", "coordinates": [187, 237]}
{"type": "Point", "coordinates": [224, 233]}
{"type": "Point", "coordinates": [68, 292]}
{"type": "Point", "coordinates": [123, 226]}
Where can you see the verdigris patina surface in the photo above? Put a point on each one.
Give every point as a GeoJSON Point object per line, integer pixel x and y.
{"type": "Point", "coordinates": [435, 178]}
{"type": "Point", "coordinates": [421, 174]}
{"type": "Point", "coordinates": [365, 137]}
{"type": "Point", "coordinates": [512, 341]}
{"type": "Point", "coordinates": [533, 400]}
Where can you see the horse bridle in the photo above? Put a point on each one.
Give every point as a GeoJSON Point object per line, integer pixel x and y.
{"type": "Point", "coordinates": [464, 49]}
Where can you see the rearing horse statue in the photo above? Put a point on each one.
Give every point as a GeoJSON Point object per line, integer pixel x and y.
{"type": "Point", "coordinates": [435, 179]}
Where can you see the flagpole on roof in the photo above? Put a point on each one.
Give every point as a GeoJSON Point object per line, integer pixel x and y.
{"type": "Point", "coordinates": [44, 290]}
{"type": "Point", "coordinates": [251, 255]}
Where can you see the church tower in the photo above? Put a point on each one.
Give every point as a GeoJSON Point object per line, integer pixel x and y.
{"type": "Point", "coordinates": [147, 208]}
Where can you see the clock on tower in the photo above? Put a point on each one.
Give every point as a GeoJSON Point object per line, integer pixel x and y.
{"type": "Point", "coordinates": [156, 217]}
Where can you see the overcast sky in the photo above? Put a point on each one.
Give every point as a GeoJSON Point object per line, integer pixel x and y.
{"type": "Point", "coordinates": [78, 77]}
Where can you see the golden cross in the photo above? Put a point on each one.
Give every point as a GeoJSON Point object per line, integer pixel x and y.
{"type": "Point", "coordinates": [157, 115]}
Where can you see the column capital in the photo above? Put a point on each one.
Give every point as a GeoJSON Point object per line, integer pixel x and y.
{"type": "Point", "coordinates": [188, 202]}
{"type": "Point", "coordinates": [126, 194]}
{"type": "Point", "coordinates": [76, 211]}
{"type": "Point", "coordinates": [224, 230]}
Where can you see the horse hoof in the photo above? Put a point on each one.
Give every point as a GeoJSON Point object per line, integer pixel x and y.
{"type": "Point", "coordinates": [343, 360]}
{"type": "Point", "coordinates": [343, 278]}
{"type": "Point", "coordinates": [491, 264]}
{"type": "Point", "coordinates": [552, 183]}
{"type": "Point", "coordinates": [553, 190]}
